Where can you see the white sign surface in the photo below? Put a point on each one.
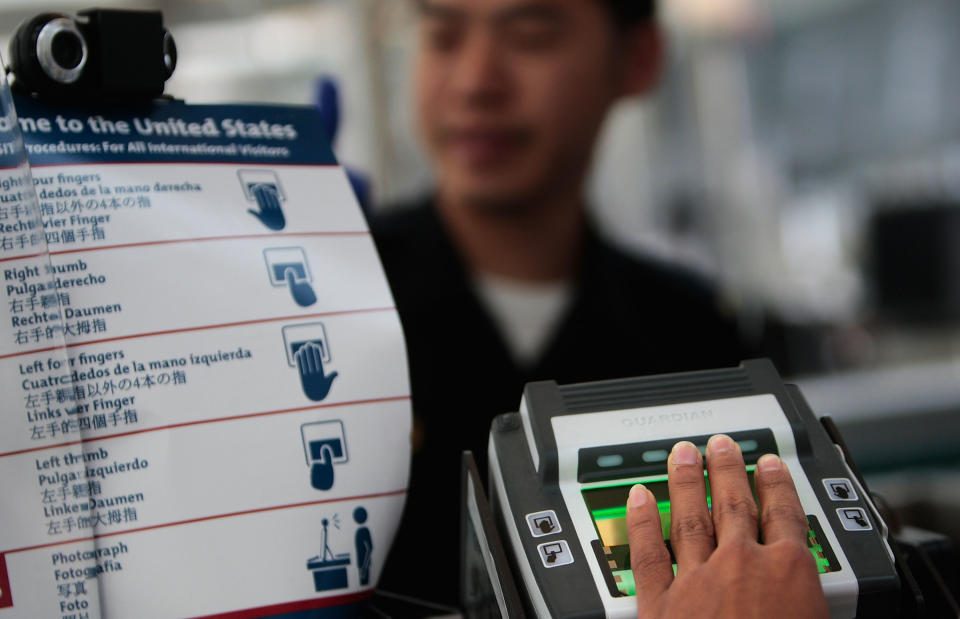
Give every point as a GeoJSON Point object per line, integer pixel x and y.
{"type": "Point", "coordinates": [226, 431]}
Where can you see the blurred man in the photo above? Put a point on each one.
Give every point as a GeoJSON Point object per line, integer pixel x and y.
{"type": "Point", "coordinates": [500, 278]}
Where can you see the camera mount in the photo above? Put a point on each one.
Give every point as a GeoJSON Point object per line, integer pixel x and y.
{"type": "Point", "coordinates": [101, 54]}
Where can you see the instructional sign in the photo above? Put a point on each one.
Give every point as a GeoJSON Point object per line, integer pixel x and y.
{"type": "Point", "coordinates": [205, 393]}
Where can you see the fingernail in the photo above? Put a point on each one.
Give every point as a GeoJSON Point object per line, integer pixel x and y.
{"type": "Point", "coordinates": [638, 496]}
{"type": "Point", "coordinates": [685, 452]}
{"type": "Point", "coordinates": [769, 463]}
{"type": "Point", "coordinates": [720, 443]}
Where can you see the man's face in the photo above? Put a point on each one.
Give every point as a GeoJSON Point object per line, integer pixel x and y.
{"type": "Point", "coordinates": [511, 94]}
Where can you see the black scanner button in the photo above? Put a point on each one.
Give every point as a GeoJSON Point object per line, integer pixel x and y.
{"type": "Point", "coordinates": [854, 519]}
{"type": "Point", "coordinates": [543, 523]}
{"type": "Point", "coordinates": [555, 554]}
{"type": "Point", "coordinates": [840, 489]}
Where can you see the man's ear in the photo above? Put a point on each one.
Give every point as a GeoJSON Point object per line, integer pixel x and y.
{"type": "Point", "coordinates": [643, 50]}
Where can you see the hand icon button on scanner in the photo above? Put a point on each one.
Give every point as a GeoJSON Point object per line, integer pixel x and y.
{"type": "Point", "coordinates": [545, 525]}
{"type": "Point", "coordinates": [840, 489]}
{"type": "Point", "coordinates": [854, 519]}
{"type": "Point", "coordinates": [555, 554]}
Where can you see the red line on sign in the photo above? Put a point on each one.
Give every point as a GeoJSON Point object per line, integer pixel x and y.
{"type": "Point", "coordinates": [200, 422]}
{"type": "Point", "coordinates": [290, 607]}
{"type": "Point", "coordinates": [247, 512]}
{"type": "Point", "coordinates": [27, 257]}
{"type": "Point", "coordinates": [205, 239]}
{"type": "Point", "coordinates": [31, 352]}
{"type": "Point", "coordinates": [184, 162]}
{"type": "Point", "coordinates": [225, 325]}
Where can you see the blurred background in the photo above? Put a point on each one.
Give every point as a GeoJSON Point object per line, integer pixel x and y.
{"type": "Point", "coordinates": [804, 153]}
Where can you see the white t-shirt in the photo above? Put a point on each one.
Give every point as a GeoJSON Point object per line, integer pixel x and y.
{"type": "Point", "coordinates": [526, 313]}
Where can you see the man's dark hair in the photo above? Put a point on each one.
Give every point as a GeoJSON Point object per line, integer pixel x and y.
{"type": "Point", "coordinates": [631, 12]}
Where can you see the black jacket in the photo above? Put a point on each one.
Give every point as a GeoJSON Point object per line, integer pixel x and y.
{"type": "Point", "coordinates": [629, 317]}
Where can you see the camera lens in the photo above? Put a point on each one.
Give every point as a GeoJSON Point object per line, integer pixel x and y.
{"type": "Point", "coordinates": [61, 50]}
{"type": "Point", "coordinates": [66, 49]}
{"type": "Point", "coordinates": [169, 54]}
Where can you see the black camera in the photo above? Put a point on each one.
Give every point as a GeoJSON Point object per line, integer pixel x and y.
{"type": "Point", "coordinates": [101, 54]}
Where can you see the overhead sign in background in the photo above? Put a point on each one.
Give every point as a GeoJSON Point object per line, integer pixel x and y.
{"type": "Point", "coordinates": [204, 384]}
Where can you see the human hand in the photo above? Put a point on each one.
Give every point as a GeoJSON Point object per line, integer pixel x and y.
{"type": "Point", "coordinates": [722, 570]}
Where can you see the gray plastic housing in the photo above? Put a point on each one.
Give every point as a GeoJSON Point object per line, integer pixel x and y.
{"type": "Point", "coordinates": [525, 479]}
